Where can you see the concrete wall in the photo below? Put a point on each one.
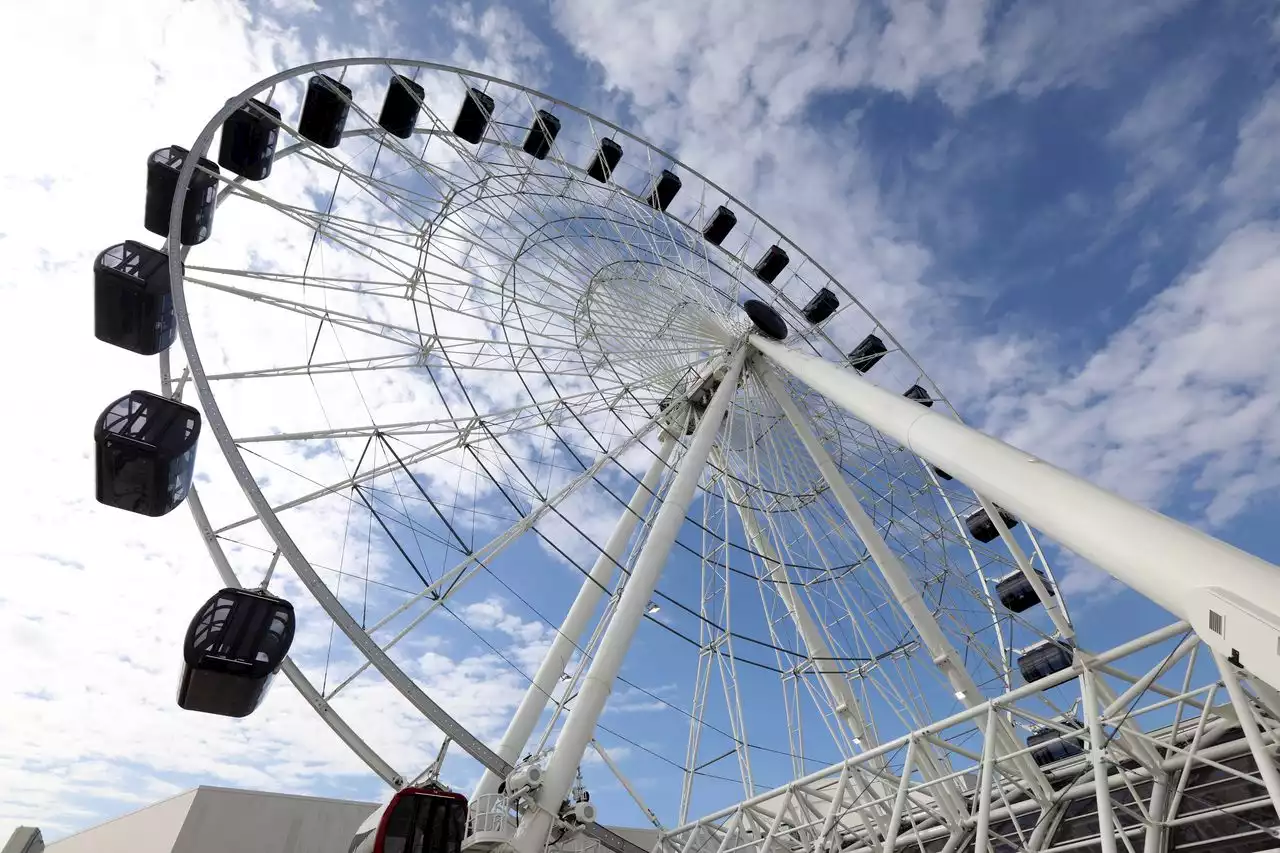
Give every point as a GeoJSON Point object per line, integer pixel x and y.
{"type": "Point", "coordinates": [150, 830]}
{"type": "Point", "coordinates": [222, 819]}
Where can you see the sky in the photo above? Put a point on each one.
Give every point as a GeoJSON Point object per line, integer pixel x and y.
{"type": "Point", "coordinates": [1068, 213]}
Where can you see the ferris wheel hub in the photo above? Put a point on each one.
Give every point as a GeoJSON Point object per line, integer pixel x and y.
{"type": "Point", "coordinates": [766, 318]}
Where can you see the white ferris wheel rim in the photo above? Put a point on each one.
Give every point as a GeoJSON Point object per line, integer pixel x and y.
{"type": "Point", "coordinates": [267, 514]}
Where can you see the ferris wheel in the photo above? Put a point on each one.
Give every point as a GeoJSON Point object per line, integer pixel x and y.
{"type": "Point", "coordinates": [451, 334]}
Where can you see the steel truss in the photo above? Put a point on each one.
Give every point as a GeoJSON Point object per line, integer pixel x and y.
{"type": "Point", "coordinates": [1154, 794]}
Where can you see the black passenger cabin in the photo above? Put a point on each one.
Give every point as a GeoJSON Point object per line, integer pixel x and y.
{"type": "Point", "coordinates": [132, 303]}
{"type": "Point", "coordinates": [664, 190]}
{"type": "Point", "coordinates": [1016, 592]}
{"type": "Point", "coordinates": [473, 117]}
{"type": "Point", "coordinates": [983, 529]}
{"type": "Point", "coordinates": [1053, 745]}
{"type": "Point", "coordinates": [605, 161]}
{"type": "Point", "coordinates": [201, 199]}
{"type": "Point", "coordinates": [921, 396]}
{"type": "Point", "coordinates": [234, 646]}
{"type": "Point", "coordinates": [324, 111]}
{"type": "Point", "coordinates": [823, 304]}
{"type": "Point", "coordinates": [249, 141]}
{"type": "Point", "coordinates": [866, 354]}
{"type": "Point", "coordinates": [1045, 658]}
{"type": "Point", "coordinates": [769, 267]}
{"type": "Point", "coordinates": [545, 129]}
{"type": "Point", "coordinates": [146, 453]}
{"type": "Point", "coordinates": [400, 107]}
{"type": "Point", "coordinates": [719, 225]}
{"type": "Point", "coordinates": [417, 820]}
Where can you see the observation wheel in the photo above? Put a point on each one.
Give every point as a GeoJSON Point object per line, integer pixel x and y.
{"type": "Point", "coordinates": [454, 328]}
{"type": "Point", "coordinates": [494, 378]}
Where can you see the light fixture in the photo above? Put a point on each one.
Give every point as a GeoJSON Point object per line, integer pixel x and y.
{"type": "Point", "coordinates": [960, 695]}
{"type": "Point", "coordinates": [652, 608]}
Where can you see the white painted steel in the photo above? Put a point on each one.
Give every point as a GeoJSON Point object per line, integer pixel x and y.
{"type": "Point", "coordinates": [1249, 725]}
{"type": "Point", "coordinates": [580, 725]}
{"type": "Point", "coordinates": [1161, 558]}
{"type": "Point", "coordinates": [569, 636]}
{"type": "Point", "coordinates": [1097, 756]}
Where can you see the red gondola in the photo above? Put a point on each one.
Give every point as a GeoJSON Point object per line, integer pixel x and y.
{"type": "Point", "coordinates": [417, 820]}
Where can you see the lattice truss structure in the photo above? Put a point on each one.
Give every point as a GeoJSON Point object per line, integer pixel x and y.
{"type": "Point", "coordinates": [482, 349]}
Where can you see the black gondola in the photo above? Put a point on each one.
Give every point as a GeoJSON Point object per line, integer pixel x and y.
{"type": "Point", "coordinates": [983, 528]}
{"type": "Point", "coordinates": [1054, 745]}
{"type": "Point", "coordinates": [664, 190]}
{"type": "Point", "coordinates": [1045, 658]}
{"type": "Point", "coordinates": [1016, 592]}
{"type": "Point", "coordinates": [401, 106]}
{"type": "Point", "coordinates": [132, 302]}
{"type": "Point", "coordinates": [769, 267]}
{"type": "Point", "coordinates": [823, 304]}
{"type": "Point", "coordinates": [473, 117]}
{"type": "Point", "coordinates": [605, 161]}
{"type": "Point", "coordinates": [537, 143]}
{"type": "Point", "coordinates": [146, 453]}
{"type": "Point", "coordinates": [867, 353]}
{"type": "Point", "coordinates": [234, 646]}
{"type": "Point", "coordinates": [248, 143]}
{"type": "Point", "coordinates": [324, 111]}
{"type": "Point", "coordinates": [427, 819]}
{"type": "Point", "coordinates": [921, 396]}
{"type": "Point", "coordinates": [719, 225]}
{"type": "Point", "coordinates": [201, 199]}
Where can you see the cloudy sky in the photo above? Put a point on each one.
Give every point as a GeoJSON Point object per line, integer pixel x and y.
{"type": "Point", "coordinates": [1069, 213]}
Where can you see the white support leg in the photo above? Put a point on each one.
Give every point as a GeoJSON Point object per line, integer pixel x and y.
{"type": "Point", "coordinates": [1097, 756]}
{"type": "Point", "coordinates": [1153, 841]}
{"type": "Point", "coordinates": [1161, 558]}
{"type": "Point", "coordinates": [896, 576]}
{"type": "Point", "coordinates": [821, 843]}
{"type": "Point", "coordinates": [580, 725]}
{"type": "Point", "coordinates": [900, 799]}
{"type": "Point", "coordinates": [982, 834]}
{"type": "Point", "coordinates": [1249, 725]}
{"type": "Point", "coordinates": [591, 593]}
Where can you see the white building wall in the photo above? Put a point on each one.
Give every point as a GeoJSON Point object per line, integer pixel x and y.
{"type": "Point", "coordinates": [224, 820]}
{"type": "Point", "coordinates": [153, 829]}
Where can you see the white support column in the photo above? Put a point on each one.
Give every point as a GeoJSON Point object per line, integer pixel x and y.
{"type": "Point", "coordinates": [821, 844]}
{"type": "Point", "coordinates": [580, 725]}
{"type": "Point", "coordinates": [895, 574]}
{"type": "Point", "coordinates": [590, 594]}
{"type": "Point", "coordinates": [1102, 793]}
{"type": "Point", "coordinates": [1249, 725]}
{"type": "Point", "coordinates": [900, 799]}
{"type": "Point", "coordinates": [982, 835]}
{"type": "Point", "coordinates": [1154, 841]}
{"type": "Point", "coordinates": [1161, 558]}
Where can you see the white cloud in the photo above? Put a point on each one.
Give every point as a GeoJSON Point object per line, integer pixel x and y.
{"type": "Point", "coordinates": [1185, 390]}
{"type": "Point", "coordinates": [1250, 188]}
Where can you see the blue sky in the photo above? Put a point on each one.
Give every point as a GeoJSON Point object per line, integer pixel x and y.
{"type": "Point", "coordinates": [1069, 213]}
